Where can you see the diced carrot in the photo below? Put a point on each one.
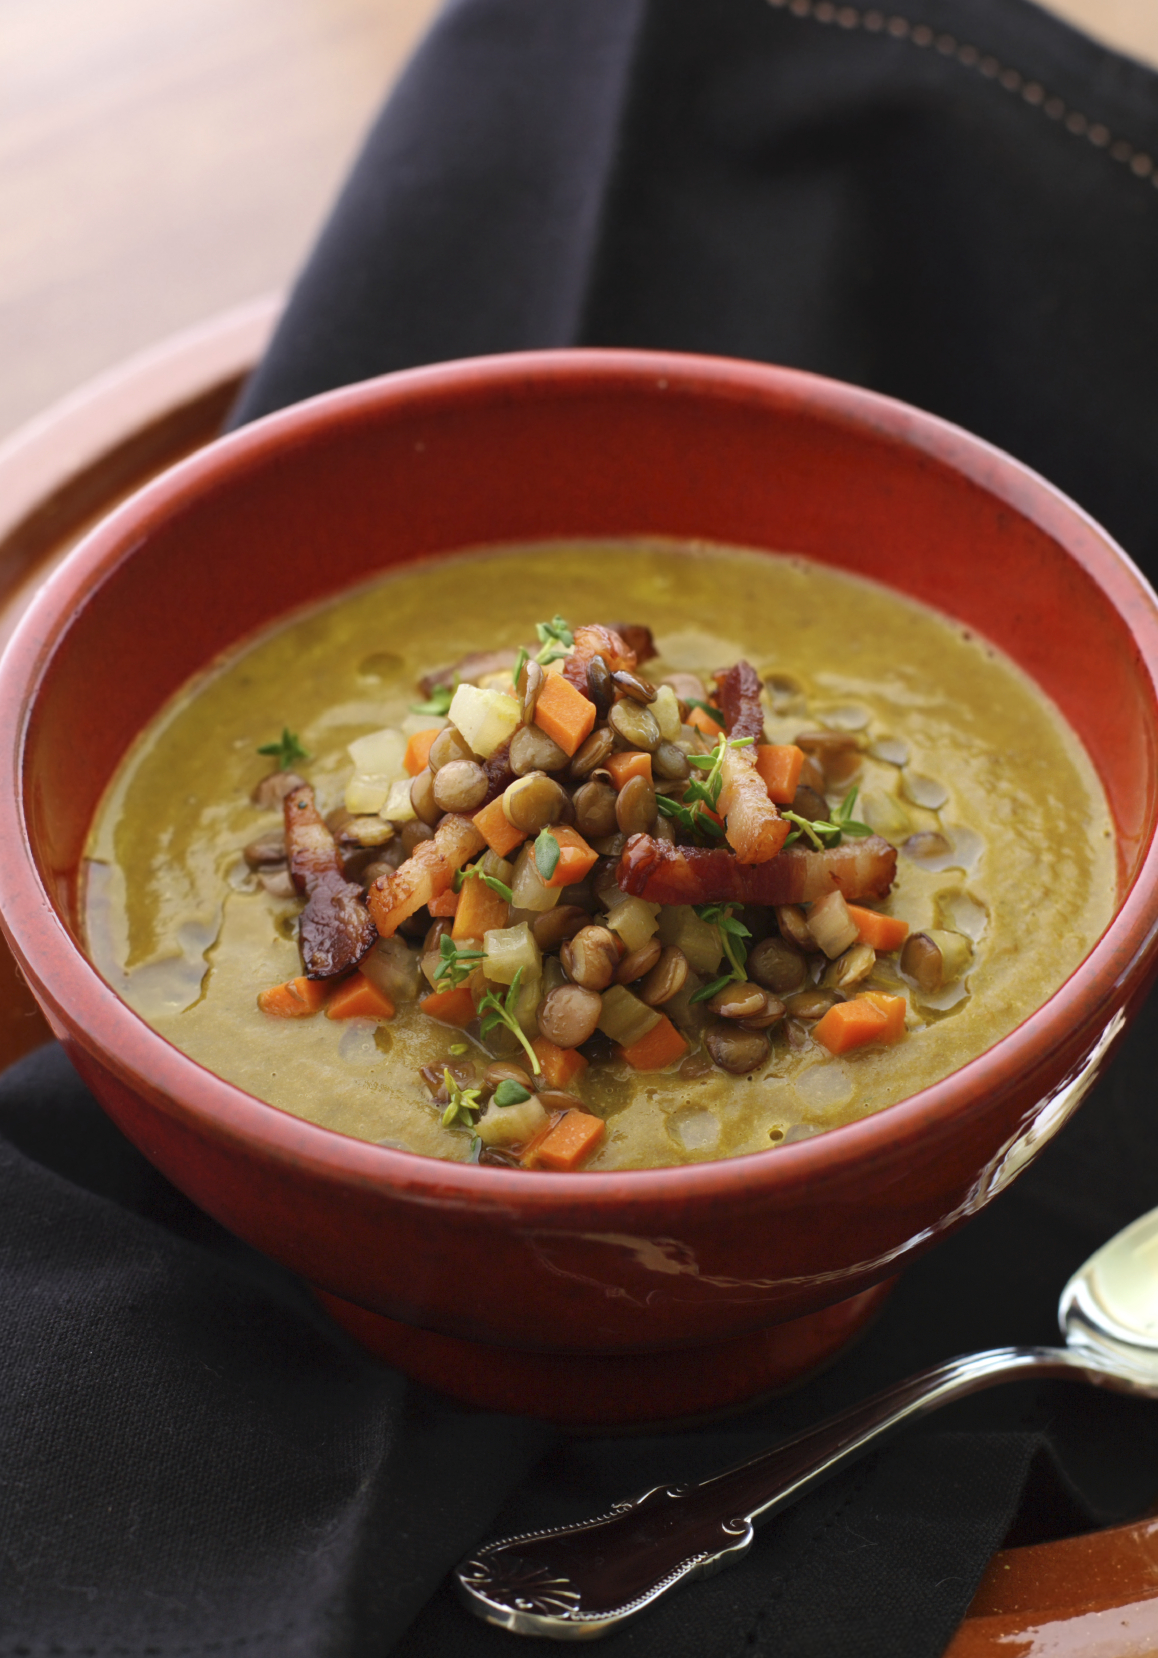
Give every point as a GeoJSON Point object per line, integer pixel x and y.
{"type": "Point", "coordinates": [779, 765]}
{"type": "Point", "coordinates": [559, 1065]}
{"type": "Point", "coordinates": [850, 1025]}
{"type": "Point", "coordinates": [497, 830]}
{"type": "Point", "coordinates": [883, 932]}
{"type": "Point", "coordinates": [704, 722]}
{"type": "Point", "coordinates": [480, 909]}
{"type": "Point", "coordinates": [564, 713]}
{"type": "Point", "coordinates": [575, 857]}
{"type": "Point", "coordinates": [357, 998]}
{"type": "Point", "coordinates": [444, 903]}
{"type": "Point", "coordinates": [452, 1007]}
{"type": "Point", "coordinates": [893, 1008]}
{"type": "Point", "coordinates": [573, 1138]}
{"type": "Point", "coordinates": [294, 1000]}
{"type": "Point", "coordinates": [418, 750]}
{"type": "Point", "coordinates": [659, 1047]}
{"type": "Point", "coordinates": [630, 763]}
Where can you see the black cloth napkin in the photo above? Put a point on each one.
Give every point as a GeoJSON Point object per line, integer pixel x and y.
{"type": "Point", "coordinates": [953, 202]}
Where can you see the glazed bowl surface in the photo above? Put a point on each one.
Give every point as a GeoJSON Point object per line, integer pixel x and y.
{"type": "Point", "coordinates": [425, 1259]}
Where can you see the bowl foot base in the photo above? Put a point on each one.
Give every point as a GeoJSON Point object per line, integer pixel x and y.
{"type": "Point", "coordinates": [595, 1390]}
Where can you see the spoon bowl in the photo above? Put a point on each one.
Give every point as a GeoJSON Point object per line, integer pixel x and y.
{"type": "Point", "coordinates": [579, 1582]}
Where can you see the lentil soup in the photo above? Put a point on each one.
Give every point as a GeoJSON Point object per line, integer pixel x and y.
{"type": "Point", "coordinates": [777, 850]}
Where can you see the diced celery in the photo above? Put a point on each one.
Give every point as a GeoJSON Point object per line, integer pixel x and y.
{"type": "Point", "coordinates": [367, 792]}
{"type": "Point", "coordinates": [511, 1125]}
{"type": "Point", "coordinates": [665, 711]}
{"type": "Point", "coordinates": [527, 1005]}
{"type": "Point", "coordinates": [625, 1018]}
{"type": "Point", "coordinates": [634, 920]}
{"type": "Point", "coordinates": [509, 948]}
{"type": "Point", "coordinates": [831, 925]}
{"type": "Point", "coordinates": [699, 940]}
{"type": "Point", "coordinates": [485, 718]}
{"type": "Point", "coordinates": [529, 890]}
{"type": "Point", "coordinates": [381, 754]}
{"type": "Point", "coordinates": [502, 871]}
{"type": "Point", "coordinates": [398, 808]}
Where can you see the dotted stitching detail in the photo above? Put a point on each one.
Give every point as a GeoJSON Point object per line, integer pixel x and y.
{"type": "Point", "coordinates": [1010, 80]}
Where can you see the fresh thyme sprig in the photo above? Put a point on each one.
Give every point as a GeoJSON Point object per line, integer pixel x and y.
{"type": "Point", "coordinates": [556, 638]}
{"type": "Point", "coordinates": [286, 751]}
{"type": "Point", "coordinates": [470, 871]}
{"type": "Point", "coordinates": [731, 931]}
{"type": "Point", "coordinates": [713, 763]}
{"type": "Point", "coordinates": [438, 702]}
{"type": "Point", "coordinates": [495, 1011]}
{"type": "Point", "coordinates": [828, 832]}
{"type": "Point", "coordinates": [456, 963]}
{"type": "Point", "coordinates": [464, 1109]}
{"type": "Point", "coordinates": [691, 821]}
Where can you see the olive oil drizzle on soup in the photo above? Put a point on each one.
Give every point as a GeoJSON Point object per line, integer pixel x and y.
{"type": "Point", "coordinates": [1006, 857]}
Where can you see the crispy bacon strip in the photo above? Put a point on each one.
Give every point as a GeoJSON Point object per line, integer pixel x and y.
{"type": "Point", "coordinates": [738, 699]}
{"type": "Point", "coordinates": [755, 829]}
{"type": "Point", "coordinates": [470, 669]}
{"type": "Point", "coordinates": [666, 874]}
{"type": "Point", "coordinates": [636, 637]}
{"type": "Point", "coordinates": [334, 931]}
{"type": "Point", "coordinates": [596, 641]}
{"type": "Point", "coordinates": [428, 870]}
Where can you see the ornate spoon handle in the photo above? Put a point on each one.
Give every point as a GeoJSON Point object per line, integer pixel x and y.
{"type": "Point", "coordinates": [586, 1580]}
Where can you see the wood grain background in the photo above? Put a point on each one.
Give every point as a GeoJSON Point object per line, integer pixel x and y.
{"type": "Point", "coordinates": [161, 162]}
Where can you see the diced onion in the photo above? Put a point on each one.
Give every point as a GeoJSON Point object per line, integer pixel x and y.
{"type": "Point", "coordinates": [381, 754]}
{"type": "Point", "coordinates": [486, 719]}
{"type": "Point", "coordinates": [634, 920]}
{"type": "Point", "coordinates": [367, 793]}
{"type": "Point", "coordinates": [831, 925]}
{"type": "Point", "coordinates": [399, 808]}
{"type": "Point", "coordinates": [507, 950]}
{"type": "Point", "coordinates": [699, 940]}
{"type": "Point", "coordinates": [511, 1125]}
{"type": "Point", "coordinates": [529, 890]}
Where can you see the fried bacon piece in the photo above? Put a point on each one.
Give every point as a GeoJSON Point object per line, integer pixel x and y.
{"type": "Point", "coordinates": [636, 637]}
{"type": "Point", "coordinates": [478, 665]}
{"type": "Point", "coordinates": [429, 870]}
{"type": "Point", "coordinates": [335, 930]}
{"type": "Point", "coordinates": [665, 874]}
{"type": "Point", "coordinates": [596, 641]}
{"type": "Point", "coordinates": [738, 699]}
{"type": "Point", "coordinates": [754, 827]}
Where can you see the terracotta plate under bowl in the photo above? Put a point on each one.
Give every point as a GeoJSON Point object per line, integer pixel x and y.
{"type": "Point", "coordinates": [1085, 1595]}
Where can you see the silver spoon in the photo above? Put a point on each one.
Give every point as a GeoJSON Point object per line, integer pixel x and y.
{"type": "Point", "coordinates": [581, 1581]}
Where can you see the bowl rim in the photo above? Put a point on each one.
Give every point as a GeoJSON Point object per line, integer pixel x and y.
{"type": "Point", "coordinates": [132, 1050]}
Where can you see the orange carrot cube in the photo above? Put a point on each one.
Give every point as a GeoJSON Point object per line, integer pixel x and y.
{"type": "Point", "coordinates": [894, 1009]}
{"type": "Point", "coordinates": [451, 1007]}
{"type": "Point", "coordinates": [358, 998]}
{"type": "Point", "coordinates": [570, 1142]}
{"type": "Point", "coordinates": [418, 750]}
{"type": "Point", "coordinates": [704, 722]}
{"type": "Point", "coordinates": [779, 765]}
{"type": "Point", "coordinates": [296, 999]}
{"type": "Point", "coordinates": [559, 1065]}
{"type": "Point", "coordinates": [564, 713]}
{"type": "Point", "coordinates": [883, 932]}
{"type": "Point", "coordinates": [496, 828]}
{"type": "Point", "coordinates": [660, 1046]}
{"type": "Point", "coordinates": [575, 857]}
{"type": "Point", "coordinates": [630, 763]}
{"type": "Point", "coordinates": [480, 909]}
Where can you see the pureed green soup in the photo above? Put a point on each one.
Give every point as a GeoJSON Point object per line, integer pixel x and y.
{"type": "Point", "coordinates": [1004, 872]}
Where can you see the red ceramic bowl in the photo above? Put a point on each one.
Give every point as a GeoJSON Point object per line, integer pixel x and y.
{"type": "Point", "coordinates": [564, 1295]}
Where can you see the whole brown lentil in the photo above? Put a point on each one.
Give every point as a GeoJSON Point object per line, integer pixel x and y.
{"type": "Point", "coordinates": [590, 958]}
{"type": "Point", "coordinates": [635, 808]}
{"type": "Point", "coordinates": [635, 725]}
{"type": "Point", "coordinates": [670, 763]}
{"type": "Point", "coordinates": [413, 834]}
{"type": "Point", "coordinates": [734, 1050]}
{"type": "Point", "coordinates": [533, 802]}
{"type": "Point", "coordinates": [449, 745]}
{"type": "Point", "coordinates": [569, 1015]}
{"type": "Point", "coordinates": [599, 686]}
{"type": "Point", "coordinates": [595, 813]}
{"type": "Point", "coordinates": [666, 979]}
{"type": "Point", "coordinates": [459, 786]}
{"type": "Point", "coordinates": [532, 750]}
{"type": "Point", "coordinates": [738, 1001]}
{"type": "Point", "coordinates": [422, 798]}
{"type": "Point", "coordinates": [776, 965]}
{"type": "Point", "coordinates": [591, 754]}
{"type": "Point", "coordinates": [632, 686]}
{"type": "Point", "coordinates": [638, 962]}
{"type": "Point", "coordinates": [553, 926]}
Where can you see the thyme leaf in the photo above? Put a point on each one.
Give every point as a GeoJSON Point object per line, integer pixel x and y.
{"type": "Point", "coordinates": [556, 638]}
{"type": "Point", "coordinates": [510, 1092]}
{"type": "Point", "coordinates": [731, 932]}
{"type": "Point", "coordinates": [464, 1108]}
{"type": "Point", "coordinates": [828, 832]}
{"type": "Point", "coordinates": [438, 702]}
{"type": "Point", "coordinates": [469, 871]}
{"type": "Point", "coordinates": [286, 751]}
{"type": "Point", "coordinates": [547, 854]}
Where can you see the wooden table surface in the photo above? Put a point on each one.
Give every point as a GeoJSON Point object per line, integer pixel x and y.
{"type": "Point", "coordinates": [159, 163]}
